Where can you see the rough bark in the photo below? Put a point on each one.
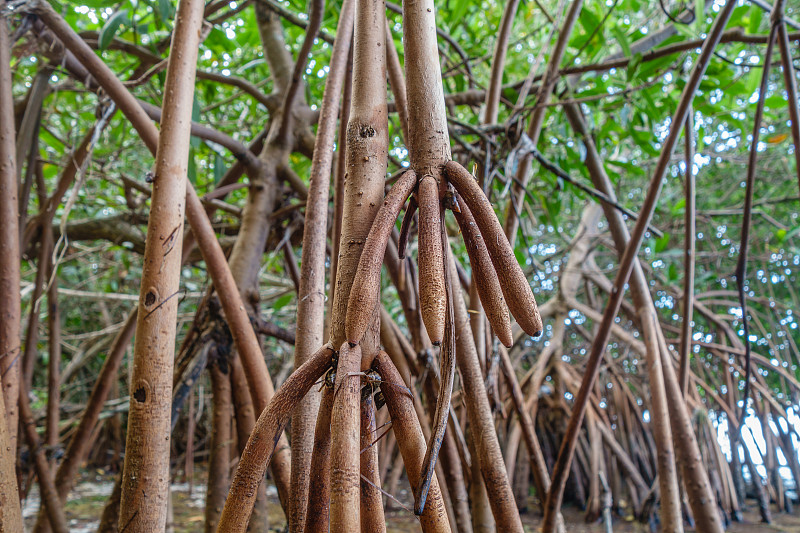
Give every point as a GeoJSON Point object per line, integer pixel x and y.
{"type": "Point", "coordinates": [345, 464]}
{"type": "Point", "coordinates": [367, 145]}
{"type": "Point", "coordinates": [9, 242]}
{"type": "Point", "coordinates": [428, 141]}
{"type": "Point", "coordinates": [10, 515]}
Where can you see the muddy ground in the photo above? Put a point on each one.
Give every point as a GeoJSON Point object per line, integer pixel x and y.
{"type": "Point", "coordinates": [86, 504]}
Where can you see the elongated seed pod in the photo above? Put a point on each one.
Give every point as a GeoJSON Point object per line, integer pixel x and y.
{"type": "Point", "coordinates": [432, 297]}
{"type": "Point", "coordinates": [367, 282]}
{"type": "Point", "coordinates": [405, 227]}
{"type": "Point", "coordinates": [483, 275]}
{"type": "Point", "coordinates": [515, 287]}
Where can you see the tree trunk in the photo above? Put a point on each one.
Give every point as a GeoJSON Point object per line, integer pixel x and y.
{"type": "Point", "coordinates": [311, 292]}
{"type": "Point", "coordinates": [9, 242]}
{"type": "Point", "coordinates": [671, 519]}
{"type": "Point", "coordinates": [145, 485]}
{"type": "Point", "coordinates": [10, 515]}
{"type": "Point", "coordinates": [219, 448]}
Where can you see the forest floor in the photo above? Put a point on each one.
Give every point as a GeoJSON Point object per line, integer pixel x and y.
{"type": "Point", "coordinates": [86, 505]}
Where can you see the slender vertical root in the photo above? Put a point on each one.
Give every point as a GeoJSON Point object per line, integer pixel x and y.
{"type": "Point", "coordinates": [345, 462]}
{"type": "Point", "coordinates": [319, 490]}
{"type": "Point", "coordinates": [367, 282]}
{"type": "Point", "coordinates": [55, 511]}
{"type": "Point", "coordinates": [405, 227]}
{"type": "Point", "coordinates": [447, 367]}
{"type": "Point", "coordinates": [411, 442]}
{"type": "Point", "coordinates": [372, 517]}
{"type": "Point", "coordinates": [265, 436]}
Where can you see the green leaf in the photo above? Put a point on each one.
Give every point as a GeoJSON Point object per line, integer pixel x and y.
{"type": "Point", "coordinates": [672, 272]}
{"type": "Point", "coordinates": [784, 236]}
{"type": "Point", "coordinates": [458, 11]}
{"type": "Point", "coordinates": [281, 302]}
{"type": "Point", "coordinates": [191, 169]}
{"type": "Point", "coordinates": [755, 16]}
{"type": "Point", "coordinates": [111, 27]}
{"type": "Point", "coordinates": [661, 243]}
{"type": "Point", "coordinates": [588, 20]}
{"type": "Point", "coordinates": [219, 168]}
{"type": "Point", "coordinates": [699, 14]}
{"type": "Point", "coordinates": [622, 40]}
{"type": "Point", "coordinates": [165, 10]}
{"type": "Point", "coordinates": [195, 109]}
{"type": "Point", "coordinates": [678, 207]}
{"type": "Point", "coordinates": [633, 66]}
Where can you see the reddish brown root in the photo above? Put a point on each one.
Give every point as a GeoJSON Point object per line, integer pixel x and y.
{"type": "Point", "coordinates": [260, 447]}
{"type": "Point", "coordinates": [367, 282]}
{"type": "Point", "coordinates": [411, 442]}
{"type": "Point", "coordinates": [345, 440]}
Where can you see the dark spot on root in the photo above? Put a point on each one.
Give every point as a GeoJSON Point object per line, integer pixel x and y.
{"type": "Point", "coordinates": [366, 131]}
{"type": "Point", "coordinates": [140, 395]}
{"type": "Point", "coordinates": [149, 299]}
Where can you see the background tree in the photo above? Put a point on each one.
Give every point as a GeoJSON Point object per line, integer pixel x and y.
{"type": "Point", "coordinates": [561, 110]}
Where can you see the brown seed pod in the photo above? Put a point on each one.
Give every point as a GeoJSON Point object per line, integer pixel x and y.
{"type": "Point", "coordinates": [430, 259]}
{"type": "Point", "coordinates": [484, 276]}
{"type": "Point", "coordinates": [366, 284]}
{"type": "Point", "coordinates": [515, 287]}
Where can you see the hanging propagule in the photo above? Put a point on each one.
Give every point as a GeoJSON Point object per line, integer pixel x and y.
{"type": "Point", "coordinates": [500, 280]}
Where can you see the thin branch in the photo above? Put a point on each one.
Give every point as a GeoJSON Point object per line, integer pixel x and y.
{"type": "Point", "coordinates": [564, 175]}
{"type": "Point", "coordinates": [316, 11]}
{"type": "Point", "coordinates": [688, 253]}
{"type": "Point", "coordinates": [741, 264]}
{"type": "Point", "coordinates": [292, 17]}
